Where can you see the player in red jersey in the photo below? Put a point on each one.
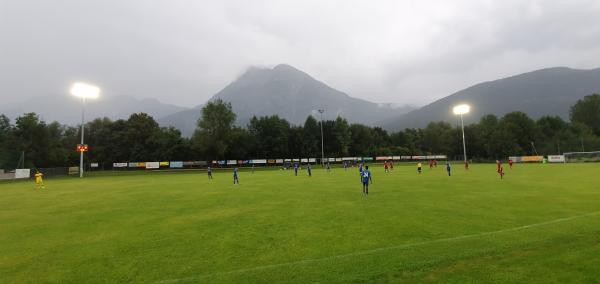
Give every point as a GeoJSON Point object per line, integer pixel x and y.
{"type": "Point", "coordinates": [510, 162]}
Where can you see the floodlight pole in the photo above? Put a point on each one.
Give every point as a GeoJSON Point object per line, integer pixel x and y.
{"type": "Point", "coordinates": [462, 125]}
{"type": "Point", "coordinates": [322, 150]}
{"type": "Point", "coordinates": [82, 136]}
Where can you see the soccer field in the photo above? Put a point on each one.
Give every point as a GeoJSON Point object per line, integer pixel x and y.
{"type": "Point", "coordinates": [540, 224]}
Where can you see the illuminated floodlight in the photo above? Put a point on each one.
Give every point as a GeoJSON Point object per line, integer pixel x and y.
{"type": "Point", "coordinates": [461, 109]}
{"type": "Point", "coordinates": [85, 91]}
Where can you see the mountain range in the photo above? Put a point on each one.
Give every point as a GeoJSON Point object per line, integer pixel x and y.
{"type": "Point", "coordinates": [291, 94]}
{"type": "Point", "coordinates": [67, 109]}
{"type": "Point", "coordinates": [549, 91]}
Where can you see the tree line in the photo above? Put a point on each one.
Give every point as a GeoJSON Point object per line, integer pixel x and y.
{"type": "Point", "coordinates": [140, 138]}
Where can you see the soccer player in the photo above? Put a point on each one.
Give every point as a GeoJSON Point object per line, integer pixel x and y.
{"type": "Point", "coordinates": [435, 163]}
{"type": "Point", "coordinates": [235, 176]}
{"type": "Point", "coordinates": [328, 167]}
{"type": "Point", "coordinates": [419, 167]}
{"type": "Point", "coordinates": [366, 178]}
{"type": "Point", "coordinates": [510, 162]}
{"type": "Point", "coordinates": [39, 179]}
{"type": "Point", "coordinates": [309, 170]}
{"type": "Point", "coordinates": [430, 164]}
{"type": "Point", "coordinates": [209, 170]}
{"type": "Point", "coordinates": [360, 170]}
{"type": "Point", "coordinates": [448, 167]}
{"type": "Point", "coordinates": [500, 170]}
{"type": "Point", "coordinates": [498, 166]}
{"type": "Point", "coordinates": [296, 169]}
{"type": "Point", "coordinates": [391, 166]}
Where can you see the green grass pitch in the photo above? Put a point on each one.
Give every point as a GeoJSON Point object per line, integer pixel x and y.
{"type": "Point", "coordinates": [541, 224]}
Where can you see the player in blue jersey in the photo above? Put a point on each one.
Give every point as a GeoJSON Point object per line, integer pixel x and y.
{"type": "Point", "coordinates": [209, 170]}
{"type": "Point", "coordinates": [309, 170]}
{"type": "Point", "coordinates": [360, 170]}
{"type": "Point", "coordinates": [448, 167]}
{"type": "Point", "coordinates": [235, 176]}
{"type": "Point", "coordinates": [296, 169]}
{"type": "Point", "coordinates": [366, 178]}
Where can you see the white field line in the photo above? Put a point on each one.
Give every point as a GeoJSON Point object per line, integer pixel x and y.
{"type": "Point", "coordinates": [364, 252]}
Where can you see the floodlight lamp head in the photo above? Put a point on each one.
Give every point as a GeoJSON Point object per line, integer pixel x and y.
{"type": "Point", "coordinates": [85, 91]}
{"type": "Point", "coordinates": [461, 109]}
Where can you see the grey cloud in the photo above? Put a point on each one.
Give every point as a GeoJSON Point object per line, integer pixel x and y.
{"type": "Point", "coordinates": [182, 52]}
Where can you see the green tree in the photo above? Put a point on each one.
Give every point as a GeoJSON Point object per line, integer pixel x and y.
{"type": "Point", "coordinates": [171, 146]}
{"type": "Point", "coordinates": [31, 136]}
{"type": "Point", "coordinates": [271, 136]}
{"type": "Point", "coordinates": [341, 137]}
{"type": "Point", "coordinates": [214, 130]}
{"type": "Point", "coordinates": [141, 137]}
{"type": "Point", "coordinates": [7, 152]}
{"type": "Point", "coordinates": [242, 144]}
{"type": "Point", "coordinates": [361, 140]}
{"type": "Point", "coordinates": [311, 138]}
{"type": "Point", "coordinates": [553, 131]}
{"type": "Point", "coordinates": [298, 144]}
{"type": "Point", "coordinates": [437, 137]}
{"type": "Point", "coordinates": [99, 136]}
{"type": "Point", "coordinates": [517, 132]}
{"type": "Point", "coordinates": [587, 112]}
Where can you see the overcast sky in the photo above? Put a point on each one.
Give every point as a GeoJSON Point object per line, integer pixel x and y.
{"type": "Point", "coordinates": [182, 52]}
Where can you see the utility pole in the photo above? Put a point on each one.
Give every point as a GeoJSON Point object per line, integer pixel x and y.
{"type": "Point", "coordinates": [321, 111]}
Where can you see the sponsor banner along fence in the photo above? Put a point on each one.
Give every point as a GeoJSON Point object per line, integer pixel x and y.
{"type": "Point", "coordinates": [429, 157]}
{"type": "Point", "coordinates": [176, 164]}
{"type": "Point", "coordinates": [526, 159]}
{"type": "Point", "coordinates": [152, 165]}
{"type": "Point", "coordinates": [383, 158]}
{"type": "Point", "coordinates": [22, 173]}
{"type": "Point", "coordinates": [137, 165]}
{"type": "Point", "coordinates": [231, 163]}
{"type": "Point", "coordinates": [556, 158]}
{"type": "Point", "coordinates": [73, 170]}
